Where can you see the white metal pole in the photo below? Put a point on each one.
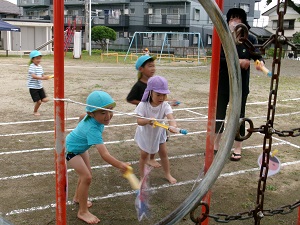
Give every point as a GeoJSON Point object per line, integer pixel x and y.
{"type": "Point", "coordinates": [90, 28]}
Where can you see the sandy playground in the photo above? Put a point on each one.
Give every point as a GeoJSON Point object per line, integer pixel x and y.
{"type": "Point", "coordinates": [27, 176]}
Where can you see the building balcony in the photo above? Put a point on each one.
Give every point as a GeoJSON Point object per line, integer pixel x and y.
{"type": "Point", "coordinates": [74, 20]}
{"type": "Point", "coordinates": [110, 21]}
{"type": "Point", "coordinates": [26, 3]}
{"type": "Point", "coordinates": [109, 2]}
{"type": "Point", "coordinates": [74, 2]}
{"type": "Point", "coordinates": [166, 1]}
{"type": "Point", "coordinates": [175, 20]}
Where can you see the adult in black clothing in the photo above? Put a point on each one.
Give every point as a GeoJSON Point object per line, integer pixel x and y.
{"type": "Point", "coordinates": [234, 16]}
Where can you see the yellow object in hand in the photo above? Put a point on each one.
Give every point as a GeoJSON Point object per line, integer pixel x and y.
{"type": "Point", "coordinates": [51, 76]}
{"type": "Point", "coordinates": [157, 124]}
{"type": "Point", "coordinates": [133, 180]}
{"type": "Point", "coordinates": [263, 68]}
{"type": "Point", "coordinates": [178, 130]}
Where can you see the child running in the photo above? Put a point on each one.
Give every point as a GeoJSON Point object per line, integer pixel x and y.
{"type": "Point", "coordinates": [34, 81]}
{"type": "Point", "coordinates": [88, 133]}
{"type": "Point", "coordinates": [152, 140]}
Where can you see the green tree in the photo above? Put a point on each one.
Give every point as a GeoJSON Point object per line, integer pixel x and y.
{"type": "Point", "coordinates": [296, 38]}
{"type": "Point", "coordinates": [101, 33]}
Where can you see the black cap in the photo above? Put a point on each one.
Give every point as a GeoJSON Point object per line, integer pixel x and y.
{"type": "Point", "coordinates": [238, 12]}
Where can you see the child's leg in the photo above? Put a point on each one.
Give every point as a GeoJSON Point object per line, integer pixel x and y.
{"type": "Point", "coordinates": [45, 100]}
{"type": "Point", "coordinates": [143, 160]}
{"type": "Point", "coordinates": [165, 162]}
{"type": "Point", "coordinates": [36, 107]}
{"type": "Point", "coordinates": [85, 176]}
{"type": "Point", "coordinates": [86, 158]}
{"type": "Point", "coordinates": [153, 162]}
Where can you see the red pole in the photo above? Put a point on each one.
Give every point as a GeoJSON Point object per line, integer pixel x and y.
{"type": "Point", "coordinates": [298, 215]}
{"type": "Point", "coordinates": [60, 162]}
{"type": "Point", "coordinates": [212, 105]}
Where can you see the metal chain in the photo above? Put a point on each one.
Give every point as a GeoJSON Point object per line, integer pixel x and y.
{"type": "Point", "coordinates": [284, 133]}
{"type": "Point", "coordinates": [267, 143]}
{"type": "Point", "coordinates": [226, 218]}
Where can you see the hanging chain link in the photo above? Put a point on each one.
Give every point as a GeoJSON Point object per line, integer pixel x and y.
{"type": "Point", "coordinates": [279, 39]}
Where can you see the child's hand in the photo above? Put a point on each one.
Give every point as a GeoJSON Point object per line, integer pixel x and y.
{"type": "Point", "coordinates": [173, 129]}
{"type": "Point", "coordinates": [152, 121]}
{"type": "Point", "coordinates": [124, 167]}
{"type": "Point", "coordinates": [173, 102]}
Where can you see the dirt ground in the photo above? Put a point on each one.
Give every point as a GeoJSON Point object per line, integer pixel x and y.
{"type": "Point", "coordinates": [27, 175]}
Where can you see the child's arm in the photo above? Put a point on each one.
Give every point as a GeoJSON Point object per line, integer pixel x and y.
{"type": "Point", "coordinates": [171, 119]}
{"type": "Point", "coordinates": [110, 159]}
{"type": "Point", "coordinates": [143, 122]}
{"type": "Point", "coordinates": [43, 77]}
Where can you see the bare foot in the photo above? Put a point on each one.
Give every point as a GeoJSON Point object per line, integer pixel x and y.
{"type": "Point", "coordinates": [36, 113]}
{"type": "Point", "coordinates": [171, 179]}
{"type": "Point", "coordinates": [89, 203]}
{"type": "Point", "coordinates": [153, 163]}
{"type": "Point", "coordinates": [88, 217]}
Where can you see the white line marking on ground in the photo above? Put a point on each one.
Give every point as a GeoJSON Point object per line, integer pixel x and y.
{"type": "Point", "coordinates": [118, 114]}
{"type": "Point", "coordinates": [93, 167]}
{"type": "Point", "coordinates": [120, 194]}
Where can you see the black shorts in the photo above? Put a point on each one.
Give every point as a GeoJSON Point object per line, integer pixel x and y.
{"type": "Point", "coordinates": [70, 155]}
{"type": "Point", "coordinates": [37, 94]}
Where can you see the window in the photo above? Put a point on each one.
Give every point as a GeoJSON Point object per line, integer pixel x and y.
{"type": "Point", "coordinates": [209, 38]}
{"type": "Point", "coordinates": [175, 11]}
{"type": "Point", "coordinates": [245, 7]}
{"type": "Point", "coordinates": [209, 21]}
{"type": "Point", "coordinates": [195, 39]}
{"type": "Point", "coordinates": [132, 11]}
{"type": "Point", "coordinates": [163, 11]}
{"type": "Point", "coordinates": [287, 24]}
{"type": "Point", "coordinates": [197, 14]}
{"type": "Point", "coordinates": [157, 11]}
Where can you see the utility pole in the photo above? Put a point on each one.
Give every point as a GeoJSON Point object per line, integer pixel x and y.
{"type": "Point", "coordinates": [86, 27]}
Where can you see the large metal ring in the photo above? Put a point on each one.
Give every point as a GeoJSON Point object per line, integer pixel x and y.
{"type": "Point", "coordinates": [238, 137]}
{"type": "Point", "coordinates": [203, 217]}
{"type": "Point", "coordinates": [233, 116]}
{"type": "Point", "coordinates": [240, 33]}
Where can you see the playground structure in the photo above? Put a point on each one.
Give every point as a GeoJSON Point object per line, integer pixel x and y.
{"type": "Point", "coordinates": [212, 167]}
{"type": "Point", "coordinates": [166, 57]}
{"type": "Point", "coordinates": [175, 46]}
{"type": "Point", "coordinates": [68, 37]}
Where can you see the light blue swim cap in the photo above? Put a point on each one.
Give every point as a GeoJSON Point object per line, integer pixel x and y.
{"type": "Point", "coordinates": [34, 54]}
{"type": "Point", "coordinates": [99, 99]}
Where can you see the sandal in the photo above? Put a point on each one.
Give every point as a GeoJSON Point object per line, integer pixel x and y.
{"type": "Point", "coordinates": [234, 155]}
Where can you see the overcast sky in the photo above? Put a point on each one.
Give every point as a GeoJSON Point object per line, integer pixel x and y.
{"type": "Point", "coordinates": [263, 21]}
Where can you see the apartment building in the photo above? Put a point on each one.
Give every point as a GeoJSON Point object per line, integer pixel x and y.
{"type": "Point", "coordinates": [129, 16]}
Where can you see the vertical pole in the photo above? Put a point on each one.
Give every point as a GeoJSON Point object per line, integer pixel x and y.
{"type": "Point", "coordinates": [212, 105]}
{"type": "Point", "coordinates": [298, 216]}
{"type": "Point", "coordinates": [60, 162]}
{"type": "Point", "coordinates": [90, 28]}
{"type": "Point", "coordinates": [86, 24]}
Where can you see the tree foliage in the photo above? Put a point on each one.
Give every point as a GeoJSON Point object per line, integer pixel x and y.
{"type": "Point", "coordinates": [101, 33]}
{"type": "Point", "coordinates": [296, 38]}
